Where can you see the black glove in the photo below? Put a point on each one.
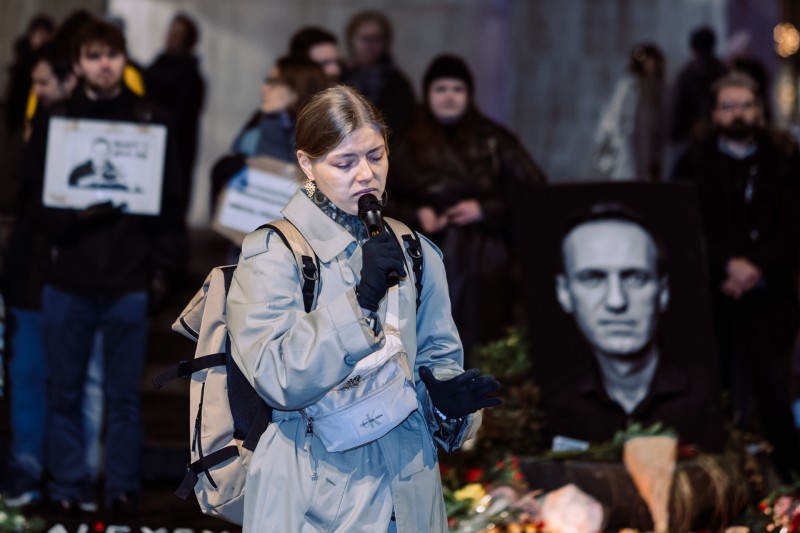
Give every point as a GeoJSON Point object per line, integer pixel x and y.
{"type": "Point", "coordinates": [462, 394]}
{"type": "Point", "coordinates": [99, 211]}
{"type": "Point", "coordinates": [380, 255]}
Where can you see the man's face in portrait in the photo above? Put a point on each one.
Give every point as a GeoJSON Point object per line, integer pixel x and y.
{"type": "Point", "coordinates": [101, 151]}
{"type": "Point", "coordinates": [611, 285]}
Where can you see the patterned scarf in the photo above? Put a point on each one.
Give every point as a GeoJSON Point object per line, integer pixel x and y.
{"type": "Point", "coordinates": [351, 223]}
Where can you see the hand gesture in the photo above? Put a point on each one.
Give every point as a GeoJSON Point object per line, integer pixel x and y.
{"type": "Point", "coordinates": [431, 221]}
{"type": "Point", "coordinates": [465, 212]}
{"type": "Point", "coordinates": [100, 210]}
{"type": "Point", "coordinates": [461, 395]}
{"type": "Point", "coordinates": [743, 276]}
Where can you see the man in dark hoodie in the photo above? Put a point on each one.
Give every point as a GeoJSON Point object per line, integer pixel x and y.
{"type": "Point", "coordinates": [102, 262]}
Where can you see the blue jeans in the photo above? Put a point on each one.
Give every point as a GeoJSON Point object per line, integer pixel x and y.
{"type": "Point", "coordinates": [93, 404]}
{"type": "Point", "coordinates": [27, 377]}
{"type": "Point", "coordinates": [70, 323]}
{"type": "Point", "coordinates": [28, 381]}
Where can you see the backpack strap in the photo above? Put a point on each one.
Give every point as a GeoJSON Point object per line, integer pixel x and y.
{"type": "Point", "coordinates": [409, 241]}
{"type": "Point", "coordinates": [203, 465]}
{"type": "Point", "coordinates": [185, 369]}
{"type": "Point", "coordinates": [307, 260]}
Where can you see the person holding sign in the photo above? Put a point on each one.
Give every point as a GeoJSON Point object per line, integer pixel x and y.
{"type": "Point", "coordinates": [103, 263]}
{"type": "Point", "coordinates": [271, 130]}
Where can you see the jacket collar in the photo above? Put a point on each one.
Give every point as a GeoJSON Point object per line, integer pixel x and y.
{"type": "Point", "coordinates": [327, 238]}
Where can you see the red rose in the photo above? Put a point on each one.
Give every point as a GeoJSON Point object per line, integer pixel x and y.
{"type": "Point", "coordinates": [474, 475]}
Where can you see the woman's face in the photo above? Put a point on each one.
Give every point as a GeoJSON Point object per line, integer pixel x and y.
{"type": "Point", "coordinates": [275, 94]}
{"type": "Point", "coordinates": [448, 99]}
{"type": "Point", "coordinates": [357, 166]}
{"type": "Point", "coordinates": [369, 43]}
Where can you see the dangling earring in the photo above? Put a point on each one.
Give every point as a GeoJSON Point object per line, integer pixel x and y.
{"type": "Point", "coordinates": [310, 188]}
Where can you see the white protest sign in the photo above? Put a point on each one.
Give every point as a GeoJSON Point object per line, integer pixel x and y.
{"type": "Point", "coordinates": [255, 196]}
{"type": "Point", "coordinates": [91, 161]}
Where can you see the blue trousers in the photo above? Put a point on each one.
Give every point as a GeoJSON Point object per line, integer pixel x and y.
{"type": "Point", "coordinates": [27, 377]}
{"type": "Point", "coordinates": [70, 323]}
{"type": "Point", "coordinates": [28, 380]}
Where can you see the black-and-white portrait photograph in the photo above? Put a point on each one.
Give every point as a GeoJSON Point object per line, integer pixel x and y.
{"type": "Point", "coordinates": [618, 309]}
{"type": "Point", "coordinates": [90, 161]}
{"type": "Point", "coordinates": [99, 171]}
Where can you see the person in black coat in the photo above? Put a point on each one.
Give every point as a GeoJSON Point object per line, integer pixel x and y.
{"type": "Point", "coordinates": [455, 179]}
{"type": "Point", "coordinates": [175, 83]}
{"type": "Point", "coordinates": [372, 72]}
{"type": "Point", "coordinates": [748, 187]}
{"type": "Point", "coordinates": [40, 31]}
{"type": "Point", "coordinates": [103, 264]}
{"type": "Point", "coordinates": [690, 99]}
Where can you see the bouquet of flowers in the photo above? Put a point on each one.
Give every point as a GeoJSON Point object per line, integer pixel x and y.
{"type": "Point", "coordinates": [498, 501]}
{"type": "Point", "coordinates": [780, 511]}
{"type": "Point", "coordinates": [12, 521]}
{"type": "Point", "coordinates": [482, 500]}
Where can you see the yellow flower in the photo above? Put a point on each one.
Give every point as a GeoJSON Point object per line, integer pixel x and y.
{"type": "Point", "coordinates": [473, 491]}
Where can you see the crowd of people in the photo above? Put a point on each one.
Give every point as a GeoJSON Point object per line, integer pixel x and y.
{"type": "Point", "coordinates": [79, 283]}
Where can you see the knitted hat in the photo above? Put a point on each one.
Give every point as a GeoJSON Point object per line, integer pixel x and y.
{"type": "Point", "coordinates": [447, 66]}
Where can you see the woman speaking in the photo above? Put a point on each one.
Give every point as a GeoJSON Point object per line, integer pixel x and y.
{"type": "Point", "coordinates": [308, 474]}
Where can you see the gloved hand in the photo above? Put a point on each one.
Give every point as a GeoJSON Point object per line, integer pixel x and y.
{"type": "Point", "coordinates": [100, 210]}
{"type": "Point", "coordinates": [381, 254]}
{"type": "Point", "coordinates": [461, 395]}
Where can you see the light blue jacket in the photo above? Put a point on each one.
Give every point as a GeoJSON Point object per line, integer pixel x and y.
{"type": "Point", "coordinates": [293, 358]}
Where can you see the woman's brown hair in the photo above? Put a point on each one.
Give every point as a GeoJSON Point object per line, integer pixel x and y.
{"type": "Point", "coordinates": [303, 76]}
{"type": "Point", "coordinates": [332, 115]}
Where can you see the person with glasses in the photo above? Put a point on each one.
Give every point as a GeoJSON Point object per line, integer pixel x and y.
{"type": "Point", "coordinates": [372, 71]}
{"type": "Point", "coordinates": [748, 189]}
{"type": "Point", "coordinates": [270, 131]}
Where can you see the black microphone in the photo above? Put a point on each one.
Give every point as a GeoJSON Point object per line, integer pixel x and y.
{"type": "Point", "coordinates": [370, 212]}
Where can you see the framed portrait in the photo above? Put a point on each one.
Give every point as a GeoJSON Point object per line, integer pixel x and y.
{"type": "Point", "coordinates": [91, 161]}
{"type": "Point", "coordinates": [618, 310]}
{"type": "Point", "coordinates": [255, 196]}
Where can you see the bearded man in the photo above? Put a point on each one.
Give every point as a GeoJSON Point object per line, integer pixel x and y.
{"type": "Point", "coordinates": [103, 267]}
{"type": "Point", "coordinates": [748, 187]}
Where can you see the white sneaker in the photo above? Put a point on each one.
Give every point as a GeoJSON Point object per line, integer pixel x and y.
{"type": "Point", "coordinates": [23, 499]}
